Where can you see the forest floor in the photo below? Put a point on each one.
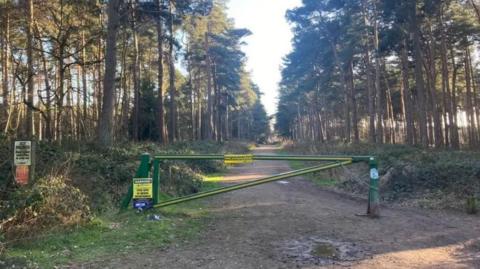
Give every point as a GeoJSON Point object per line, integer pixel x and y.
{"type": "Point", "coordinates": [297, 224]}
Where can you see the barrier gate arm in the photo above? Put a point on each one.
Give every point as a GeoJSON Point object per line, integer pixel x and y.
{"type": "Point", "coordinates": [267, 157]}
{"type": "Point", "coordinates": [294, 173]}
{"type": "Point", "coordinates": [146, 163]}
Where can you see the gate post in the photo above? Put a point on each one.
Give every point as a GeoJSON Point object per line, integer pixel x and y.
{"type": "Point", "coordinates": [373, 209]}
{"type": "Point", "coordinates": [156, 180]}
{"type": "Point", "coordinates": [143, 171]}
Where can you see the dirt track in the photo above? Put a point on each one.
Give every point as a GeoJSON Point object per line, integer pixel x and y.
{"type": "Point", "coordinates": [294, 224]}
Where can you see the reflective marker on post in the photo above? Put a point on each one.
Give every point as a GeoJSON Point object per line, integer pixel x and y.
{"type": "Point", "coordinates": [373, 209]}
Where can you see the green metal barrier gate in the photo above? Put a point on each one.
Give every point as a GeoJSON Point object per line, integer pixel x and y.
{"type": "Point", "coordinates": [147, 163]}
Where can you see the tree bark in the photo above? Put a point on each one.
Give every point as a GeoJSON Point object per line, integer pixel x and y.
{"type": "Point", "coordinates": [105, 124]}
{"type": "Point", "coordinates": [446, 94]}
{"type": "Point", "coordinates": [380, 102]}
{"type": "Point", "coordinates": [419, 79]}
{"type": "Point", "coordinates": [370, 87]}
{"type": "Point", "coordinates": [135, 74]}
{"type": "Point", "coordinates": [455, 135]}
{"type": "Point", "coordinates": [471, 127]}
{"type": "Point", "coordinates": [353, 104]}
{"type": "Point", "coordinates": [172, 132]}
{"type": "Point", "coordinates": [346, 92]}
{"type": "Point", "coordinates": [30, 73]}
{"type": "Point", "coordinates": [209, 122]}
{"type": "Point", "coordinates": [5, 62]}
{"type": "Point", "coordinates": [216, 105]}
{"type": "Point", "coordinates": [84, 87]}
{"type": "Point", "coordinates": [437, 123]}
{"type": "Point", "coordinates": [406, 96]}
{"type": "Point", "coordinates": [160, 116]}
{"type": "Point", "coordinates": [48, 96]}
{"type": "Point", "coordinates": [390, 117]}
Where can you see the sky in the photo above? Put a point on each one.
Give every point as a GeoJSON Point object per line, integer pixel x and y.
{"type": "Point", "coordinates": [269, 43]}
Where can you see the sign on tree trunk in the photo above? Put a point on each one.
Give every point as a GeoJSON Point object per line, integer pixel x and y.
{"type": "Point", "coordinates": [23, 161]}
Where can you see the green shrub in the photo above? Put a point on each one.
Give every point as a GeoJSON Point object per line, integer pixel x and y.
{"type": "Point", "coordinates": [77, 180]}
{"type": "Point", "coordinates": [442, 178]}
{"type": "Point", "coordinates": [49, 203]}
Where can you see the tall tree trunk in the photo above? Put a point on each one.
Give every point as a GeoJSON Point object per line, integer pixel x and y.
{"type": "Point", "coordinates": [476, 109]}
{"type": "Point", "coordinates": [30, 83]}
{"type": "Point", "coordinates": [47, 102]}
{"type": "Point", "coordinates": [370, 86]}
{"type": "Point", "coordinates": [98, 95]}
{"type": "Point", "coordinates": [135, 74]}
{"type": "Point", "coordinates": [455, 135]}
{"type": "Point", "coordinates": [389, 121]}
{"type": "Point", "coordinates": [390, 117]}
{"type": "Point", "coordinates": [160, 116]}
{"type": "Point", "coordinates": [380, 103]}
{"type": "Point", "coordinates": [96, 88]}
{"type": "Point", "coordinates": [353, 103]}
{"type": "Point", "coordinates": [191, 83]}
{"type": "Point", "coordinates": [320, 127]}
{"type": "Point", "coordinates": [437, 123]}
{"type": "Point", "coordinates": [346, 92]}
{"type": "Point", "coordinates": [70, 124]}
{"type": "Point", "coordinates": [80, 123]}
{"type": "Point", "coordinates": [105, 125]}
{"type": "Point", "coordinates": [172, 132]}
{"type": "Point", "coordinates": [226, 115]}
{"type": "Point", "coordinates": [419, 79]}
{"type": "Point", "coordinates": [209, 121]}
{"type": "Point", "coordinates": [125, 90]}
{"type": "Point", "coordinates": [199, 115]}
{"type": "Point", "coordinates": [406, 96]}
{"type": "Point", "coordinates": [216, 105]}
{"type": "Point", "coordinates": [11, 101]}
{"type": "Point", "coordinates": [446, 94]}
{"type": "Point", "coordinates": [471, 127]}
{"type": "Point", "coordinates": [60, 93]}
{"type": "Point", "coordinates": [84, 86]}
{"type": "Point", "coordinates": [5, 63]}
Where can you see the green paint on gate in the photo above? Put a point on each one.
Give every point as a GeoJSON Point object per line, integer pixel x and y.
{"type": "Point", "coordinates": [147, 164]}
{"type": "Point", "coordinates": [143, 171]}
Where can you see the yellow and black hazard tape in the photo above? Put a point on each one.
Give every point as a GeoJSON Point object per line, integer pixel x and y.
{"type": "Point", "coordinates": [238, 158]}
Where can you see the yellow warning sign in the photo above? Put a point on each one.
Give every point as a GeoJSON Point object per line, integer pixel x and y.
{"type": "Point", "coordinates": [142, 188]}
{"type": "Point", "coordinates": [238, 158]}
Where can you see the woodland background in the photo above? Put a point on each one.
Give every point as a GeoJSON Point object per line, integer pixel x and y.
{"type": "Point", "coordinates": [383, 71]}
{"type": "Point", "coordinates": [97, 83]}
{"type": "Point", "coordinates": [125, 70]}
